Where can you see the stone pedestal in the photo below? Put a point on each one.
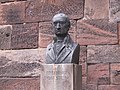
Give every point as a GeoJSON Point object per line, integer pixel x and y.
{"type": "Point", "coordinates": [61, 77]}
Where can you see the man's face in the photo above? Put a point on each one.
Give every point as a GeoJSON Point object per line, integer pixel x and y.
{"type": "Point", "coordinates": [61, 25]}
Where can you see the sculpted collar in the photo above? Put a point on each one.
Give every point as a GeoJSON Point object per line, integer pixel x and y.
{"type": "Point", "coordinates": [67, 41]}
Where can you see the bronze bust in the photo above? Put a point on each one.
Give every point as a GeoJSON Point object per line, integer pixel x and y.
{"type": "Point", "coordinates": [62, 49]}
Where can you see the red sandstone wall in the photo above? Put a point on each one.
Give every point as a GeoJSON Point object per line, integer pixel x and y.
{"type": "Point", "coordinates": [26, 30]}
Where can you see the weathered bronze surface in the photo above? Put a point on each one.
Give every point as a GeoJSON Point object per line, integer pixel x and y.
{"type": "Point", "coordinates": [62, 49]}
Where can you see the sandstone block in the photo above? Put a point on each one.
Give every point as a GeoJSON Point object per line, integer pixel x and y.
{"type": "Point", "coordinates": [103, 54]}
{"type": "Point", "coordinates": [44, 10]}
{"type": "Point", "coordinates": [4, 1]}
{"type": "Point", "coordinates": [84, 69]}
{"type": "Point", "coordinates": [5, 36]}
{"type": "Point", "coordinates": [119, 32]}
{"type": "Point", "coordinates": [83, 54]}
{"type": "Point", "coordinates": [96, 9]}
{"type": "Point", "coordinates": [109, 87]}
{"type": "Point", "coordinates": [46, 33]}
{"type": "Point", "coordinates": [98, 74]}
{"type": "Point", "coordinates": [90, 87]}
{"type": "Point", "coordinates": [21, 63]}
{"type": "Point", "coordinates": [92, 32]}
{"type": "Point", "coordinates": [114, 10]}
{"type": "Point", "coordinates": [84, 83]}
{"type": "Point", "coordinates": [115, 73]}
{"type": "Point", "coordinates": [13, 12]}
{"type": "Point", "coordinates": [20, 84]}
{"type": "Point", "coordinates": [25, 36]}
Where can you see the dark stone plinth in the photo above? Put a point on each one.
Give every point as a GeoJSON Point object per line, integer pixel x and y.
{"type": "Point", "coordinates": [61, 77]}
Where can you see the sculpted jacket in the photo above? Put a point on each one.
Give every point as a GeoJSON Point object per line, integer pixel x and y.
{"type": "Point", "coordinates": [68, 52]}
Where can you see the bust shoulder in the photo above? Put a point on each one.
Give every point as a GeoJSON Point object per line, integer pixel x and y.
{"type": "Point", "coordinates": [49, 46]}
{"type": "Point", "coordinates": [75, 45]}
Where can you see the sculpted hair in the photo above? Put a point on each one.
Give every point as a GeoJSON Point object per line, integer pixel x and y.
{"type": "Point", "coordinates": [64, 16]}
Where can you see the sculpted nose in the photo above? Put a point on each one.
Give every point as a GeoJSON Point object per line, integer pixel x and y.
{"type": "Point", "coordinates": [58, 26]}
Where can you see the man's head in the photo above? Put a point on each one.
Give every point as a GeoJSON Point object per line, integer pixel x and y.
{"type": "Point", "coordinates": [61, 24]}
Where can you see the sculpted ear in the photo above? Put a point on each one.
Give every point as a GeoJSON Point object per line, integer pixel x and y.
{"type": "Point", "coordinates": [69, 24]}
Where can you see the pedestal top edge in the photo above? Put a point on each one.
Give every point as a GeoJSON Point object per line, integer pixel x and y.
{"type": "Point", "coordinates": [62, 64]}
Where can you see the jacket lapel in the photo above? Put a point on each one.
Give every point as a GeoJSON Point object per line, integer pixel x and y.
{"type": "Point", "coordinates": [51, 54]}
{"type": "Point", "coordinates": [63, 53]}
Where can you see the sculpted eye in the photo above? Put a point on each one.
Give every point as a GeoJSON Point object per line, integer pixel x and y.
{"type": "Point", "coordinates": [62, 22]}
{"type": "Point", "coordinates": [55, 23]}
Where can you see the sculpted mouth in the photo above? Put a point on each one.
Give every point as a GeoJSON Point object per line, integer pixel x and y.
{"type": "Point", "coordinates": [58, 30]}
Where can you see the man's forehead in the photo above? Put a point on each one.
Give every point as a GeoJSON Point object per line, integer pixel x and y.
{"type": "Point", "coordinates": [60, 17]}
